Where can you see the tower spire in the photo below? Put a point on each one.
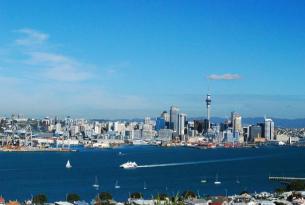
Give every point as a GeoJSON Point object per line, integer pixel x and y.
{"type": "Point", "coordinates": [208, 101]}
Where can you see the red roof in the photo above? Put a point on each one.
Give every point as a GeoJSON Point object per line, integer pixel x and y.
{"type": "Point", "coordinates": [2, 199]}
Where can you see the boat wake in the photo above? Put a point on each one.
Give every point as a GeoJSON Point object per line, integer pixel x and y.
{"type": "Point", "coordinates": [199, 162]}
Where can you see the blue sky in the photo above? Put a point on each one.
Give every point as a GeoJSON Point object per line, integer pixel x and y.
{"type": "Point", "coordinates": [124, 59]}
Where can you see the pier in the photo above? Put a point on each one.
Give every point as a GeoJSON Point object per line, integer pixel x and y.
{"type": "Point", "coordinates": [286, 179]}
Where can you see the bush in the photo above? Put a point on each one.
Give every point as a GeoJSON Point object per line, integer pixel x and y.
{"type": "Point", "coordinates": [161, 196]}
{"type": "Point", "coordinates": [280, 190]}
{"type": "Point", "coordinates": [188, 194]}
{"type": "Point", "coordinates": [40, 199]}
{"type": "Point", "coordinates": [295, 186]}
{"type": "Point", "coordinates": [105, 196]}
{"type": "Point", "coordinates": [73, 197]}
{"type": "Point", "coordinates": [243, 192]}
{"type": "Point", "coordinates": [136, 195]}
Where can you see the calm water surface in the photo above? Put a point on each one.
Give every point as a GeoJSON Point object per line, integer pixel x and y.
{"type": "Point", "coordinates": [26, 174]}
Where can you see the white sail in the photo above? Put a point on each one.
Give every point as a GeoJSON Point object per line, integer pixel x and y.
{"type": "Point", "coordinates": [145, 187]}
{"type": "Point", "coordinates": [68, 165]}
{"type": "Point", "coordinates": [216, 181]}
{"type": "Point", "coordinates": [96, 184]}
{"type": "Point", "coordinates": [117, 186]}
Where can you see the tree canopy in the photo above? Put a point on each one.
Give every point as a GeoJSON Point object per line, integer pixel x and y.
{"type": "Point", "coordinates": [40, 199]}
{"type": "Point", "coordinates": [136, 195]}
{"type": "Point", "coordinates": [73, 197]}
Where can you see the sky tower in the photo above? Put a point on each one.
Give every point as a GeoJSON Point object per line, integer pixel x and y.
{"type": "Point", "coordinates": [208, 103]}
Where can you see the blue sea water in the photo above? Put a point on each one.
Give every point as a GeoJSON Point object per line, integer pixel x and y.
{"type": "Point", "coordinates": [169, 170]}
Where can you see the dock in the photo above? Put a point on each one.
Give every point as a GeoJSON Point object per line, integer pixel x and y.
{"type": "Point", "coordinates": [286, 179]}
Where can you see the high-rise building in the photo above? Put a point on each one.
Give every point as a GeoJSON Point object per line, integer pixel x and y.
{"type": "Point", "coordinates": [199, 126]}
{"type": "Point", "coordinates": [174, 118]}
{"type": "Point", "coordinates": [165, 116]}
{"type": "Point", "coordinates": [181, 123]}
{"type": "Point", "coordinates": [269, 129]}
{"type": "Point", "coordinates": [160, 124]}
{"type": "Point", "coordinates": [208, 101]}
{"type": "Point", "coordinates": [147, 120]}
{"type": "Point", "coordinates": [236, 122]}
{"type": "Point", "coordinates": [255, 131]}
{"type": "Point", "coordinates": [165, 134]}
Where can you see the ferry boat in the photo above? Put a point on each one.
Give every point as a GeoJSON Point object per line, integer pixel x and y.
{"type": "Point", "coordinates": [129, 165]}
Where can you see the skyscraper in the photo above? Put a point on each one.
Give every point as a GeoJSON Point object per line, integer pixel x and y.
{"type": "Point", "coordinates": [255, 131]}
{"type": "Point", "coordinates": [236, 122]}
{"type": "Point", "coordinates": [174, 118]}
{"type": "Point", "coordinates": [269, 129]}
{"type": "Point", "coordinates": [208, 101]}
{"type": "Point", "coordinates": [165, 116]}
{"type": "Point", "coordinates": [160, 124]}
{"type": "Point", "coordinates": [181, 123]}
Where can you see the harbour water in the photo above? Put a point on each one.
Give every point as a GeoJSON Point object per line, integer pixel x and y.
{"type": "Point", "coordinates": [162, 170]}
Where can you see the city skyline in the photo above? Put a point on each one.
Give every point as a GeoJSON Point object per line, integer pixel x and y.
{"type": "Point", "coordinates": [127, 59]}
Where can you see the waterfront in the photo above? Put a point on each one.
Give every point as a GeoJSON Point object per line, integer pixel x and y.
{"type": "Point", "coordinates": [23, 174]}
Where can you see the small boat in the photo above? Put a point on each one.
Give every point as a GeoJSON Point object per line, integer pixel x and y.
{"type": "Point", "coordinates": [68, 165]}
{"type": "Point", "coordinates": [129, 165]}
{"type": "Point", "coordinates": [121, 154]}
{"type": "Point", "coordinates": [216, 181]}
{"type": "Point", "coordinates": [96, 184]}
{"type": "Point", "coordinates": [237, 181]}
{"type": "Point", "coordinates": [204, 180]}
{"type": "Point", "coordinates": [117, 186]}
{"type": "Point", "coordinates": [145, 187]}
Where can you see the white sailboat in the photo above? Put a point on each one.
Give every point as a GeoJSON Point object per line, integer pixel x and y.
{"type": "Point", "coordinates": [237, 181]}
{"type": "Point", "coordinates": [96, 184]}
{"type": "Point", "coordinates": [117, 186]}
{"type": "Point", "coordinates": [145, 187]}
{"type": "Point", "coordinates": [204, 180]}
{"type": "Point", "coordinates": [68, 165]}
{"type": "Point", "coordinates": [216, 180]}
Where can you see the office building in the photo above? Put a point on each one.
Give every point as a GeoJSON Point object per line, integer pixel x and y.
{"type": "Point", "coordinates": [174, 118]}
{"type": "Point", "coordinates": [181, 123]}
{"type": "Point", "coordinates": [165, 116]}
{"type": "Point", "coordinates": [255, 132]}
{"type": "Point", "coordinates": [160, 124]}
{"type": "Point", "coordinates": [269, 129]}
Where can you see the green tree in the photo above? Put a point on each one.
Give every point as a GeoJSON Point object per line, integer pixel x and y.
{"type": "Point", "coordinates": [243, 192]}
{"type": "Point", "coordinates": [295, 186]}
{"type": "Point", "coordinates": [280, 190]}
{"type": "Point", "coordinates": [161, 196]}
{"type": "Point", "coordinates": [188, 195]}
{"type": "Point", "coordinates": [136, 195]}
{"type": "Point", "coordinates": [105, 196]}
{"type": "Point", "coordinates": [73, 197]}
{"type": "Point", "coordinates": [40, 199]}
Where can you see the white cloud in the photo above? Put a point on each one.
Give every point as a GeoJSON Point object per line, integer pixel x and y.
{"type": "Point", "coordinates": [41, 75]}
{"type": "Point", "coordinates": [47, 64]}
{"type": "Point", "coordinates": [66, 72]}
{"type": "Point", "coordinates": [31, 37]}
{"type": "Point", "coordinates": [4, 80]}
{"type": "Point", "coordinates": [227, 76]}
{"type": "Point", "coordinates": [59, 67]}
